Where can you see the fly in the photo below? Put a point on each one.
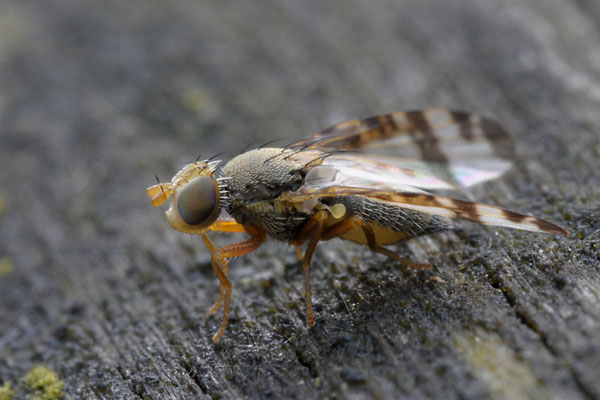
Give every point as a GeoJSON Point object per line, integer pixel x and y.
{"type": "Point", "coordinates": [373, 181]}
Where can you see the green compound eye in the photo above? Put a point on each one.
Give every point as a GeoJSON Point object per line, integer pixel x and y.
{"type": "Point", "coordinates": [197, 200]}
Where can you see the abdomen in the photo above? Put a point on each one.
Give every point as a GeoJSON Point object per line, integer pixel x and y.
{"type": "Point", "coordinates": [389, 221]}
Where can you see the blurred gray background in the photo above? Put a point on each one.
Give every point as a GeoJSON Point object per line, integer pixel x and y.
{"type": "Point", "coordinates": [97, 97]}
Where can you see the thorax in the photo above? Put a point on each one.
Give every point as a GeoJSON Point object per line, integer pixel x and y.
{"type": "Point", "coordinates": [255, 180]}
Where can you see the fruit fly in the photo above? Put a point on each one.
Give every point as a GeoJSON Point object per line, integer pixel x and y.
{"type": "Point", "coordinates": [373, 181]}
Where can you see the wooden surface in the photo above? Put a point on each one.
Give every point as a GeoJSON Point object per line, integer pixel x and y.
{"type": "Point", "coordinates": [96, 97]}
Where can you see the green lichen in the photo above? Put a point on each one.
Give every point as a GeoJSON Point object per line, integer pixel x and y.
{"type": "Point", "coordinates": [2, 205]}
{"type": "Point", "coordinates": [44, 384]}
{"type": "Point", "coordinates": [6, 267]}
{"type": "Point", "coordinates": [5, 391]}
{"type": "Point", "coordinates": [498, 366]}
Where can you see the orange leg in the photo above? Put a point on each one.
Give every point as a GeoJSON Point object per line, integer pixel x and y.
{"type": "Point", "coordinates": [313, 228]}
{"type": "Point", "coordinates": [226, 226]}
{"type": "Point", "coordinates": [219, 264]}
{"type": "Point", "coordinates": [221, 226]}
{"type": "Point", "coordinates": [212, 248]}
{"type": "Point", "coordinates": [350, 223]}
{"type": "Point", "coordinates": [338, 229]}
{"type": "Point", "coordinates": [371, 240]}
{"type": "Point", "coordinates": [298, 252]}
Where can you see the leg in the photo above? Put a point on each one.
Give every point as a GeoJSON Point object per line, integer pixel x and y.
{"type": "Point", "coordinates": [221, 226]}
{"type": "Point", "coordinates": [226, 226]}
{"type": "Point", "coordinates": [371, 240]}
{"type": "Point", "coordinates": [313, 228]}
{"type": "Point", "coordinates": [219, 264]}
{"type": "Point", "coordinates": [212, 248]}
{"type": "Point", "coordinates": [298, 251]}
{"type": "Point", "coordinates": [350, 223]}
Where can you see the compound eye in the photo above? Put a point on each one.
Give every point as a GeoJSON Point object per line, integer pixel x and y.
{"type": "Point", "coordinates": [197, 200]}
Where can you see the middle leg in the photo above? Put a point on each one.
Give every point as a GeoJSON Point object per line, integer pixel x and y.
{"type": "Point", "coordinates": [313, 229]}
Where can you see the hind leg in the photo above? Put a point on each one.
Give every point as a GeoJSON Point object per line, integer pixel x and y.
{"type": "Point", "coordinates": [355, 222]}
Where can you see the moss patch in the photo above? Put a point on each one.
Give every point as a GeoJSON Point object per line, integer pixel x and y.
{"type": "Point", "coordinates": [6, 267]}
{"type": "Point", "coordinates": [44, 384]}
{"type": "Point", "coordinates": [495, 363]}
{"type": "Point", "coordinates": [5, 391]}
{"type": "Point", "coordinates": [2, 205]}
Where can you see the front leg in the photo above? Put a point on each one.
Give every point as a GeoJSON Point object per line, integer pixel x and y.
{"type": "Point", "coordinates": [220, 225]}
{"type": "Point", "coordinates": [219, 258]}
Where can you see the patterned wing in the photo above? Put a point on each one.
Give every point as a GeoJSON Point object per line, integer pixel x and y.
{"type": "Point", "coordinates": [431, 204]}
{"type": "Point", "coordinates": [434, 135]}
{"type": "Point", "coordinates": [462, 148]}
{"type": "Point", "coordinates": [404, 155]}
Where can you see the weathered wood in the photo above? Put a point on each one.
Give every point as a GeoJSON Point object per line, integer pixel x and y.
{"type": "Point", "coordinates": [96, 97]}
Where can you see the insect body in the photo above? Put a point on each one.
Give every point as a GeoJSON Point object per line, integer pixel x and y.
{"type": "Point", "coordinates": [370, 181]}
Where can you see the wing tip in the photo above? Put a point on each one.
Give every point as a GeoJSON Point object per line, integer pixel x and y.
{"type": "Point", "coordinates": [549, 227]}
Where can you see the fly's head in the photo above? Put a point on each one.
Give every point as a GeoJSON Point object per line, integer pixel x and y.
{"type": "Point", "coordinates": [196, 197]}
